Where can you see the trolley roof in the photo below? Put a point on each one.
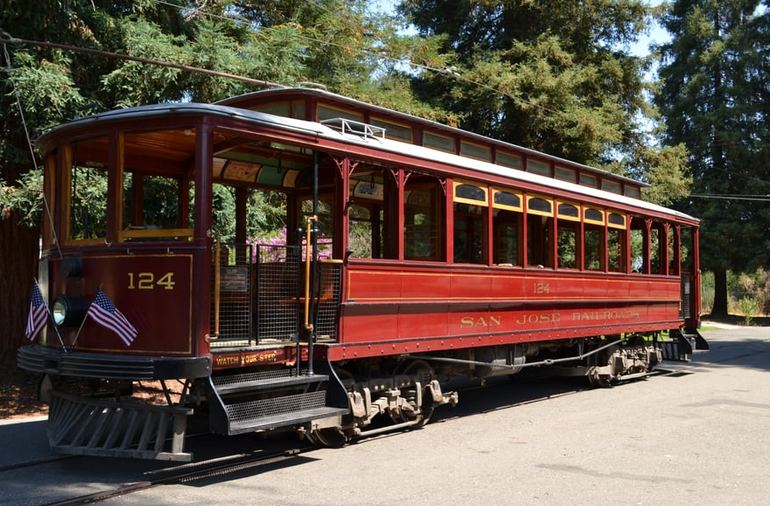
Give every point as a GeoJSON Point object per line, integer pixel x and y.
{"type": "Point", "coordinates": [322, 131]}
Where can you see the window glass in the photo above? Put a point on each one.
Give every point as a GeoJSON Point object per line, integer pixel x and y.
{"type": "Point", "coordinates": [423, 218]}
{"type": "Point", "coordinates": [565, 174]}
{"type": "Point", "coordinates": [469, 233]}
{"type": "Point", "coordinates": [277, 108]}
{"type": "Point", "coordinates": [594, 247]}
{"type": "Point", "coordinates": [87, 192]}
{"type": "Point", "coordinates": [394, 130]}
{"type": "Point", "coordinates": [616, 248]}
{"type": "Point", "coordinates": [638, 242]}
{"type": "Point", "coordinates": [327, 112]}
{"type": "Point", "coordinates": [539, 205]}
{"type": "Point", "coordinates": [539, 241]}
{"type": "Point", "coordinates": [540, 168]}
{"type": "Point", "coordinates": [568, 232]}
{"type": "Point", "coordinates": [568, 211]}
{"type": "Point", "coordinates": [594, 215]}
{"type": "Point", "coordinates": [471, 193]}
{"type": "Point", "coordinates": [611, 186]}
{"type": "Point", "coordinates": [658, 244]}
{"type": "Point", "coordinates": [476, 151]}
{"type": "Point", "coordinates": [617, 220]}
{"type": "Point", "coordinates": [505, 199]}
{"type": "Point", "coordinates": [372, 214]}
{"type": "Point", "coordinates": [508, 160]}
{"type": "Point", "coordinates": [507, 236]}
{"type": "Point", "coordinates": [632, 191]}
{"type": "Point", "coordinates": [440, 142]}
{"type": "Point", "coordinates": [157, 198]}
{"type": "Point", "coordinates": [588, 180]}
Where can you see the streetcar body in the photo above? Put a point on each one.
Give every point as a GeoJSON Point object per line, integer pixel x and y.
{"type": "Point", "coordinates": [413, 252]}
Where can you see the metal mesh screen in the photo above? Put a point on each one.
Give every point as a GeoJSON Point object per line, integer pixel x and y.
{"type": "Point", "coordinates": [235, 294]}
{"type": "Point", "coordinates": [277, 291]}
{"type": "Point", "coordinates": [329, 296]}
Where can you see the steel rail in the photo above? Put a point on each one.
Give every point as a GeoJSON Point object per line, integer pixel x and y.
{"type": "Point", "coordinates": [185, 474]}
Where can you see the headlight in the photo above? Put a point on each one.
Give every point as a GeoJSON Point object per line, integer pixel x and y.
{"type": "Point", "coordinates": [59, 312]}
{"type": "Point", "coordinates": [69, 310]}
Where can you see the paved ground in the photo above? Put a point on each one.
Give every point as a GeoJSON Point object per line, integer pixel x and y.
{"type": "Point", "coordinates": [679, 439]}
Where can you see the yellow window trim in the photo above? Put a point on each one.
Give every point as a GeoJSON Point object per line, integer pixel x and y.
{"type": "Point", "coordinates": [156, 233]}
{"type": "Point", "coordinates": [624, 226]}
{"type": "Point", "coordinates": [541, 213]}
{"type": "Point", "coordinates": [495, 205]}
{"type": "Point", "coordinates": [567, 217]}
{"type": "Point", "coordinates": [595, 222]}
{"type": "Point", "coordinates": [462, 200]}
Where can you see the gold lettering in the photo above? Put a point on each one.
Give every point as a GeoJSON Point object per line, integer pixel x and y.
{"type": "Point", "coordinates": [495, 321]}
{"type": "Point", "coordinates": [466, 321]}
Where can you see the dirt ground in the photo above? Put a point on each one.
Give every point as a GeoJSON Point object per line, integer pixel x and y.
{"type": "Point", "coordinates": [18, 394]}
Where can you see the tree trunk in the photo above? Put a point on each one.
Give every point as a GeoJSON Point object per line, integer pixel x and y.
{"type": "Point", "coordinates": [19, 249]}
{"type": "Point", "coordinates": [720, 293]}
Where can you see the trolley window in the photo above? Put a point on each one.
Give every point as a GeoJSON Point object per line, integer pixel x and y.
{"type": "Point", "coordinates": [372, 214]}
{"type": "Point", "coordinates": [616, 249]}
{"type": "Point", "coordinates": [157, 187]}
{"type": "Point", "coordinates": [476, 151]}
{"type": "Point", "coordinates": [470, 193]}
{"type": "Point", "coordinates": [540, 168]}
{"type": "Point", "coordinates": [565, 174]}
{"type": "Point", "coordinates": [509, 160]}
{"type": "Point", "coordinates": [505, 199]}
{"type": "Point", "coordinates": [595, 216]}
{"type": "Point", "coordinates": [615, 220]}
{"type": "Point", "coordinates": [440, 142]}
{"type": "Point", "coordinates": [539, 205]}
{"type": "Point", "coordinates": [85, 187]}
{"type": "Point", "coordinates": [423, 218]}
{"type": "Point", "coordinates": [539, 231]}
{"type": "Point", "coordinates": [567, 211]}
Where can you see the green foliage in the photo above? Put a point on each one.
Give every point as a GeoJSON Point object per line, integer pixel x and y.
{"type": "Point", "coordinates": [551, 76]}
{"type": "Point", "coordinates": [748, 307]}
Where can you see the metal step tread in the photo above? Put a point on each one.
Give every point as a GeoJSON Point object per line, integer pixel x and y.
{"type": "Point", "coordinates": [263, 384]}
{"type": "Point", "coordinates": [284, 419]}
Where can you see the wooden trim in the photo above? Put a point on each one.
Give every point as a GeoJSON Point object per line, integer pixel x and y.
{"type": "Point", "coordinates": [65, 173]}
{"type": "Point", "coordinates": [115, 187]}
{"type": "Point", "coordinates": [159, 232]}
{"type": "Point", "coordinates": [624, 226]}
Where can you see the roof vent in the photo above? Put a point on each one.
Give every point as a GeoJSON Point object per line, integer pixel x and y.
{"type": "Point", "coordinates": [348, 126]}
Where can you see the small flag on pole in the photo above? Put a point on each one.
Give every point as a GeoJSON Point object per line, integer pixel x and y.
{"type": "Point", "coordinates": [38, 313]}
{"type": "Point", "coordinates": [106, 314]}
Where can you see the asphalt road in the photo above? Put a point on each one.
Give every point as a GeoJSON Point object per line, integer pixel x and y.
{"type": "Point", "coordinates": [698, 436]}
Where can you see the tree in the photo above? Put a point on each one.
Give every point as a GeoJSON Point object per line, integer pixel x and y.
{"type": "Point", "coordinates": [286, 41]}
{"type": "Point", "coordinates": [548, 75]}
{"type": "Point", "coordinates": [715, 99]}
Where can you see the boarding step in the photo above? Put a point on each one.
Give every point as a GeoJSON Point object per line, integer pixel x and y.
{"type": "Point", "coordinates": [125, 428]}
{"type": "Point", "coordinates": [264, 380]}
{"type": "Point", "coordinates": [265, 400]}
{"type": "Point", "coordinates": [682, 345]}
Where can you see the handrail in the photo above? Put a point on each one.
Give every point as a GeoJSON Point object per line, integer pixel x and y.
{"type": "Point", "coordinates": [308, 255]}
{"type": "Point", "coordinates": [217, 286]}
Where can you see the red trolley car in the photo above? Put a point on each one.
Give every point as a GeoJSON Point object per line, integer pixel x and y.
{"type": "Point", "coordinates": [414, 252]}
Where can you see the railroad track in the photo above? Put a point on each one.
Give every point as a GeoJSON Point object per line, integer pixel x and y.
{"type": "Point", "coordinates": [187, 473]}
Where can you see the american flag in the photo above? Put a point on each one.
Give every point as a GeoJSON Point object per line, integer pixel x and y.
{"type": "Point", "coordinates": [106, 314]}
{"type": "Point", "coordinates": [38, 313]}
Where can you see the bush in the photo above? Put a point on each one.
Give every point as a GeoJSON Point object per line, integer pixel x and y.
{"type": "Point", "coordinates": [749, 307]}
